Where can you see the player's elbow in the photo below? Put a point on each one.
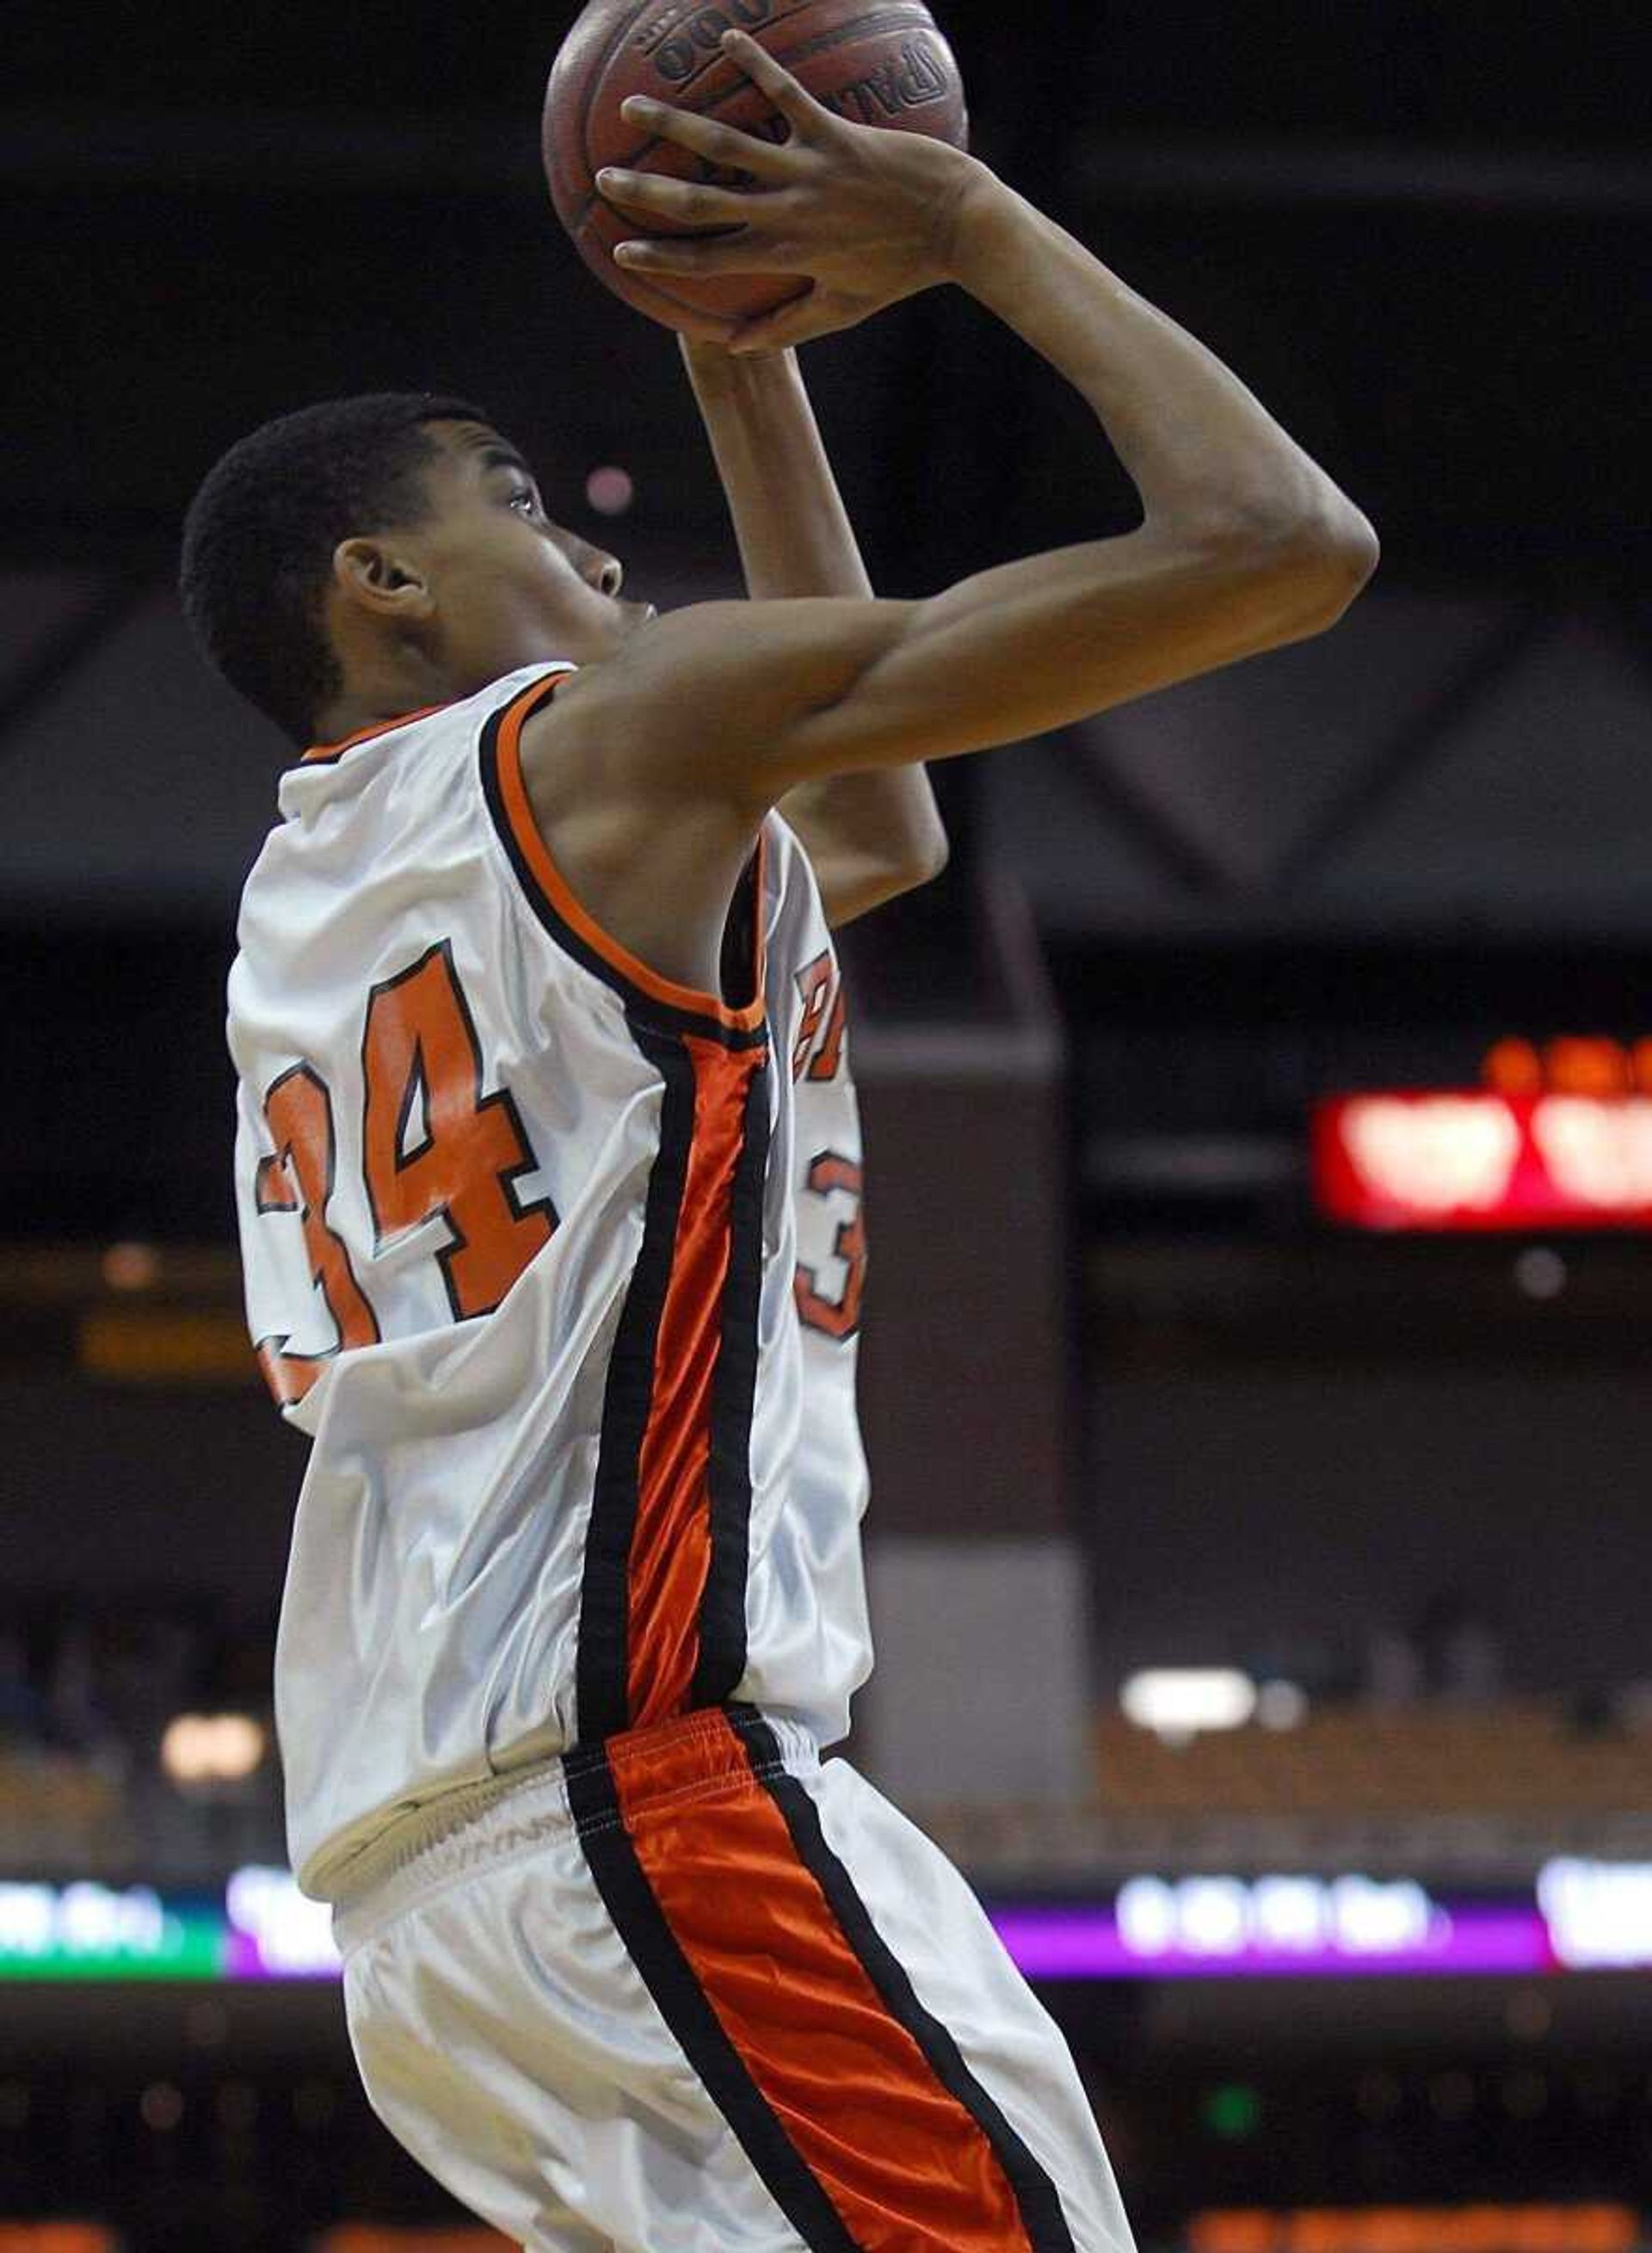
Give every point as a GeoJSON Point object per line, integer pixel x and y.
{"type": "Point", "coordinates": [925, 854]}
{"type": "Point", "coordinates": [1328, 560]}
{"type": "Point", "coordinates": [854, 885]}
{"type": "Point", "coordinates": [914, 854]}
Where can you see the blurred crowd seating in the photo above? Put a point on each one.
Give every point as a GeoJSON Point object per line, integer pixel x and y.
{"type": "Point", "coordinates": [1490, 1783]}
{"type": "Point", "coordinates": [1519, 1758]}
{"type": "Point", "coordinates": [85, 1700]}
{"type": "Point", "coordinates": [58, 1811]}
{"type": "Point", "coordinates": [1475, 1794]}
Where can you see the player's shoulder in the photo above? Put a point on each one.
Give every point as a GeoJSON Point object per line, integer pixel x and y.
{"type": "Point", "coordinates": [339, 797]}
{"type": "Point", "coordinates": [411, 754]}
{"type": "Point", "coordinates": [458, 722]}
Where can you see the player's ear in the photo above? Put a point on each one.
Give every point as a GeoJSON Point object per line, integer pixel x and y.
{"type": "Point", "coordinates": [380, 578]}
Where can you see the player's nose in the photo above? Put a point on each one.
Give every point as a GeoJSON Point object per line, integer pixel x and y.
{"type": "Point", "coordinates": [599, 569]}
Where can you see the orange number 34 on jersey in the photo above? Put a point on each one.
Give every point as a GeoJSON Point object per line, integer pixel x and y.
{"type": "Point", "coordinates": [432, 1144]}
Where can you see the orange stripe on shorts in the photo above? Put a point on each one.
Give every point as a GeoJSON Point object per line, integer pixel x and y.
{"type": "Point", "coordinates": [902, 2162]}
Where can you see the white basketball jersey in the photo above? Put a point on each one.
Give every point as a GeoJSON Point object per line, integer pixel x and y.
{"type": "Point", "coordinates": [559, 1264]}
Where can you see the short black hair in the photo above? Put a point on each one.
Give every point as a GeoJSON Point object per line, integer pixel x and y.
{"type": "Point", "coordinates": [260, 535]}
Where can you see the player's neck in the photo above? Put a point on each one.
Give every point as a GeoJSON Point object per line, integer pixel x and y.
{"type": "Point", "coordinates": [379, 696]}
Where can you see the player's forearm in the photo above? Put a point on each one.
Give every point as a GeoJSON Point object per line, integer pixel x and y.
{"type": "Point", "coordinates": [794, 533]}
{"type": "Point", "coordinates": [1199, 447]}
{"type": "Point", "coordinates": [868, 836]}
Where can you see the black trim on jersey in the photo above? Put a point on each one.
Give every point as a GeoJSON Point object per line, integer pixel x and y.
{"type": "Point", "coordinates": [722, 1606]}
{"type": "Point", "coordinates": [418, 1084]}
{"type": "Point", "coordinates": [602, 1665]}
{"type": "Point", "coordinates": [670, 1979]}
{"type": "Point", "coordinates": [1035, 2193]}
{"type": "Point", "coordinates": [638, 1002]}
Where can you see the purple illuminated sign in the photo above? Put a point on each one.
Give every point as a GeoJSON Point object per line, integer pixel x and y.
{"type": "Point", "coordinates": [1058, 1942]}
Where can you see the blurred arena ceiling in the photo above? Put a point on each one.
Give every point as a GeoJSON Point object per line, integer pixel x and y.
{"type": "Point", "coordinates": [1419, 235]}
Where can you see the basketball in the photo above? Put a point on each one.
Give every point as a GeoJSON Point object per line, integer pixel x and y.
{"type": "Point", "coordinates": [883, 65]}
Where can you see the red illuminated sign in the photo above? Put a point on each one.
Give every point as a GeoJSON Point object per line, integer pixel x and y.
{"type": "Point", "coordinates": [1488, 2228]}
{"type": "Point", "coordinates": [1478, 1159]}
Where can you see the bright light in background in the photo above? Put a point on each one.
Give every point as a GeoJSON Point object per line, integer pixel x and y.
{"type": "Point", "coordinates": [1479, 1159]}
{"type": "Point", "coordinates": [1176, 1702]}
{"type": "Point", "coordinates": [609, 491]}
{"type": "Point", "coordinates": [1227, 1917]}
{"type": "Point", "coordinates": [1598, 1153]}
{"type": "Point", "coordinates": [211, 1748]}
{"type": "Point", "coordinates": [1598, 1914]}
{"type": "Point", "coordinates": [1435, 1152]}
{"type": "Point", "coordinates": [132, 1267]}
{"type": "Point", "coordinates": [294, 1934]}
{"type": "Point", "coordinates": [1281, 1706]}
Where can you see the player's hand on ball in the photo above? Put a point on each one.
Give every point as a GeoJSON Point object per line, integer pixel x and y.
{"type": "Point", "coordinates": [867, 214]}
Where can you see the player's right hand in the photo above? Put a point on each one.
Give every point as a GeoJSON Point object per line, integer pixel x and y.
{"type": "Point", "coordinates": [869, 215]}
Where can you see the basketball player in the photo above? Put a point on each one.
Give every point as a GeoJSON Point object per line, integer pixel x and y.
{"type": "Point", "coordinates": [549, 1176]}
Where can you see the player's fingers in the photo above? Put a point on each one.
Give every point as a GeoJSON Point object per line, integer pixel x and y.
{"type": "Point", "coordinates": [795, 104]}
{"type": "Point", "coordinates": [691, 201]}
{"type": "Point", "coordinates": [720, 144]}
{"type": "Point", "coordinates": [789, 324]}
{"type": "Point", "coordinates": [705, 328]}
{"type": "Point", "coordinates": [744, 252]}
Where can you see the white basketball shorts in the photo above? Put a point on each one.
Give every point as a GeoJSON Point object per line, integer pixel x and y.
{"type": "Point", "coordinates": [690, 1991]}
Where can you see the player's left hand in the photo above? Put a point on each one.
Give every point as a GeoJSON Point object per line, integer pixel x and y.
{"type": "Point", "coordinates": [866, 214]}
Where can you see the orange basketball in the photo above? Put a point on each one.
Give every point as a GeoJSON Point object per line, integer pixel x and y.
{"type": "Point", "coordinates": [877, 65]}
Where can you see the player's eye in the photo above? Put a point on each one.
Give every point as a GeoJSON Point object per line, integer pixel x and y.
{"type": "Point", "coordinates": [525, 499]}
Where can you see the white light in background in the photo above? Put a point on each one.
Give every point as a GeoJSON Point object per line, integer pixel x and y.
{"type": "Point", "coordinates": [1221, 1916]}
{"type": "Point", "coordinates": [294, 1934]}
{"type": "Point", "coordinates": [1598, 1153]}
{"type": "Point", "coordinates": [1434, 1152]}
{"type": "Point", "coordinates": [83, 1919]}
{"type": "Point", "coordinates": [1148, 1915]}
{"type": "Point", "coordinates": [1378, 1917]}
{"type": "Point", "coordinates": [1293, 1913]}
{"type": "Point", "coordinates": [1176, 1702]}
{"type": "Point", "coordinates": [28, 1919]}
{"type": "Point", "coordinates": [609, 491]}
{"type": "Point", "coordinates": [211, 1748]}
{"type": "Point", "coordinates": [1598, 1914]}
{"type": "Point", "coordinates": [1281, 1706]}
{"type": "Point", "coordinates": [1215, 1915]}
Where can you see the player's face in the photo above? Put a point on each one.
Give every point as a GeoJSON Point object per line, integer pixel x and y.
{"type": "Point", "coordinates": [510, 587]}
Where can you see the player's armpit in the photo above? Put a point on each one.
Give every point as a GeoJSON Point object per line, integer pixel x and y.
{"type": "Point", "coordinates": [740, 702]}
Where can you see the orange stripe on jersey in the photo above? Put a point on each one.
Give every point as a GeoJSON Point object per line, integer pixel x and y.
{"type": "Point", "coordinates": [318, 752]}
{"type": "Point", "coordinates": [671, 1538]}
{"type": "Point", "coordinates": [530, 847]}
{"type": "Point", "coordinates": [901, 2159]}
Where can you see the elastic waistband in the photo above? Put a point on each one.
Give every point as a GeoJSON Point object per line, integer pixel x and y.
{"type": "Point", "coordinates": [590, 1787]}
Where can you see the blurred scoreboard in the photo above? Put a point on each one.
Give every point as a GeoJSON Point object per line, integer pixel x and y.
{"type": "Point", "coordinates": [1559, 1137]}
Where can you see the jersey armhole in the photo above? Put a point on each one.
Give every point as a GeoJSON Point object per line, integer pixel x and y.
{"type": "Point", "coordinates": [683, 1007]}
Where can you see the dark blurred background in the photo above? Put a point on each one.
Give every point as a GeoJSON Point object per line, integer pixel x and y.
{"type": "Point", "coordinates": [1149, 1388]}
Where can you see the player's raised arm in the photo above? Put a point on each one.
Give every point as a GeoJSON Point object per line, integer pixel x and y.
{"type": "Point", "coordinates": [1246, 544]}
{"type": "Point", "coordinates": [868, 836]}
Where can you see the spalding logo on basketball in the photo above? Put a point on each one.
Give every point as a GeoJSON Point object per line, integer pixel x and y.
{"type": "Point", "coordinates": [885, 66]}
